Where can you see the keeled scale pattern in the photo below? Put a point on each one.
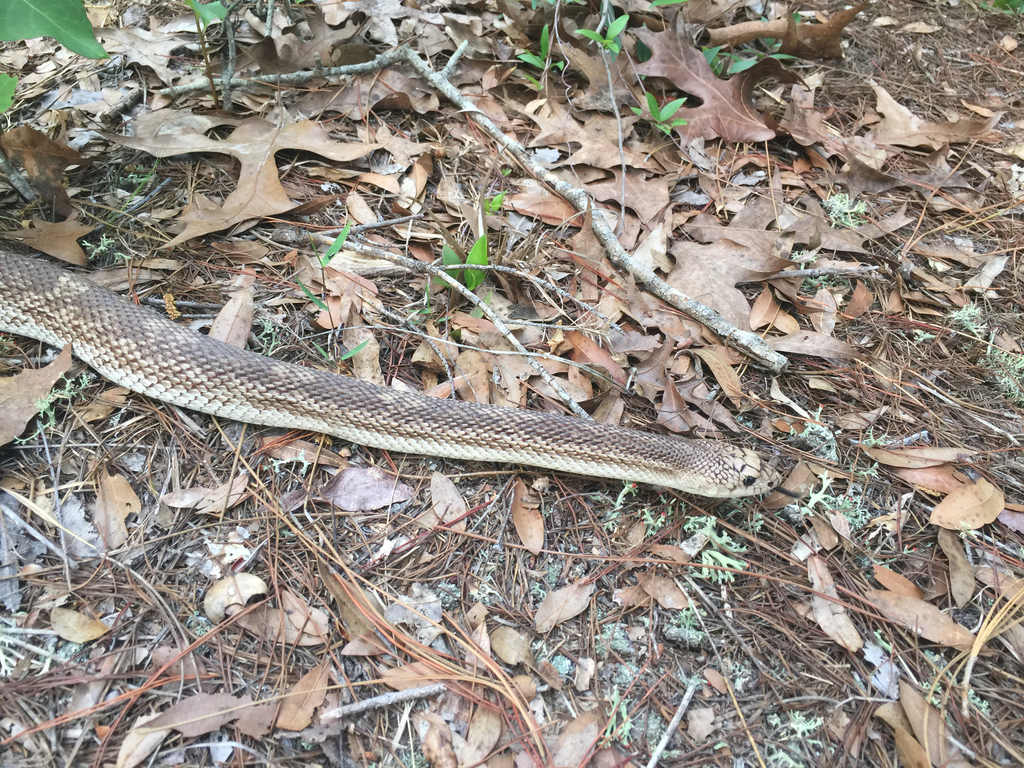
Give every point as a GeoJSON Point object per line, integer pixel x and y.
{"type": "Point", "coordinates": [151, 355]}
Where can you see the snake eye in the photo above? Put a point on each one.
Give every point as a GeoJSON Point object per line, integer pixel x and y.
{"type": "Point", "coordinates": [749, 480]}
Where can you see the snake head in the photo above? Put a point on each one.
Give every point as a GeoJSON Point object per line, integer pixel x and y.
{"type": "Point", "coordinates": [745, 473]}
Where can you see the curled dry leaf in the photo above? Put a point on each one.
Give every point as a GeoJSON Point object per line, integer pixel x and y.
{"type": "Point", "coordinates": [527, 518]}
{"type": "Point", "coordinates": [961, 574]}
{"type": "Point", "coordinates": [305, 696]}
{"type": "Point", "coordinates": [921, 617]}
{"type": "Point", "coordinates": [448, 507]}
{"type": "Point", "coordinates": [58, 239]}
{"type": "Point", "coordinates": [969, 507]}
{"type": "Point", "coordinates": [562, 604]}
{"type": "Point", "coordinates": [140, 743]}
{"type": "Point", "coordinates": [414, 675]}
{"type": "Point", "coordinates": [830, 614]}
{"type": "Point", "coordinates": [44, 162]}
{"type": "Point", "coordinates": [115, 500]}
{"type": "Point", "coordinates": [207, 500]}
{"type": "Point", "coordinates": [916, 458]}
{"type": "Point", "coordinates": [511, 646]}
{"type": "Point", "coordinates": [901, 585]}
{"type": "Point", "coordinates": [578, 739]}
{"type": "Point", "coordinates": [436, 740]}
{"type": "Point", "coordinates": [701, 722]}
{"type": "Point", "coordinates": [234, 321]}
{"type": "Point", "coordinates": [664, 591]}
{"type": "Point", "coordinates": [199, 714]}
{"type": "Point", "coordinates": [929, 726]}
{"type": "Point", "coordinates": [484, 732]}
{"type": "Point", "coordinates": [231, 594]}
{"type": "Point", "coordinates": [295, 623]}
{"type": "Point", "coordinates": [76, 627]}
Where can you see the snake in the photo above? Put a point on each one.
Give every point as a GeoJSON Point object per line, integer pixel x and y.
{"type": "Point", "coordinates": [150, 354]}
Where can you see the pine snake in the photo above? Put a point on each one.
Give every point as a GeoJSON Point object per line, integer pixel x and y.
{"type": "Point", "coordinates": [151, 355]}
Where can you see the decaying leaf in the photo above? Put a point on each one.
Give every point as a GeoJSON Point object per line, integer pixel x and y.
{"type": "Point", "coordinates": [562, 604]}
{"type": "Point", "coordinates": [361, 489]}
{"type": "Point", "coordinates": [527, 518]}
{"type": "Point", "coordinates": [58, 239]}
{"type": "Point", "coordinates": [76, 627]}
{"type": "Point", "coordinates": [304, 697]}
{"type": "Point", "coordinates": [921, 617]}
{"type": "Point", "coordinates": [830, 614]}
{"type": "Point", "coordinates": [969, 507]}
{"type": "Point", "coordinates": [21, 394]}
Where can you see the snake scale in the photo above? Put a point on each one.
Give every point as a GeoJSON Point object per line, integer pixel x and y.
{"type": "Point", "coordinates": [153, 356]}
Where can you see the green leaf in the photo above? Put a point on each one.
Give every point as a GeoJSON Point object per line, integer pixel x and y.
{"type": "Point", "coordinates": [494, 204]}
{"type": "Point", "coordinates": [671, 108]}
{"type": "Point", "coordinates": [618, 26]}
{"type": "Point", "coordinates": [209, 12]}
{"type": "Point", "coordinates": [533, 80]}
{"type": "Point", "coordinates": [661, 3]}
{"type": "Point", "coordinates": [652, 106]}
{"type": "Point", "coordinates": [591, 35]}
{"type": "Point", "coordinates": [356, 351]}
{"type": "Point", "coordinates": [7, 87]}
{"type": "Point", "coordinates": [336, 245]}
{"type": "Point", "coordinates": [63, 20]}
{"type": "Point", "coordinates": [532, 59]}
{"type": "Point", "coordinates": [711, 53]}
{"type": "Point", "coordinates": [637, 111]}
{"type": "Point", "coordinates": [740, 65]}
{"type": "Point", "coordinates": [450, 259]}
{"type": "Point", "coordinates": [477, 255]}
{"type": "Point", "coordinates": [315, 299]}
{"type": "Point", "coordinates": [545, 41]}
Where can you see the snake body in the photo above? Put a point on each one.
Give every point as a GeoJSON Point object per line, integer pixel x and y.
{"type": "Point", "coordinates": [151, 355]}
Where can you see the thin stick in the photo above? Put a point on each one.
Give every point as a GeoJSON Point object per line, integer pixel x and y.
{"type": "Point", "coordinates": [384, 700]}
{"type": "Point", "coordinates": [670, 731]}
{"type": "Point", "coordinates": [745, 341]}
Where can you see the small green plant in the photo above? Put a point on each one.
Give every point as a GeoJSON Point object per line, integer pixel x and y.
{"type": "Point", "coordinates": [104, 247]}
{"type": "Point", "coordinates": [609, 42]}
{"type": "Point", "coordinates": [661, 117]}
{"type": "Point", "coordinates": [493, 204]}
{"type": "Point", "coordinates": [1006, 6]}
{"type": "Point", "coordinates": [205, 14]}
{"type": "Point", "coordinates": [620, 723]}
{"type": "Point", "coordinates": [729, 63]}
{"type": "Point", "coordinates": [970, 318]}
{"type": "Point", "coordinates": [719, 555]}
{"type": "Point", "coordinates": [331, 252]}
{"type": "Point", "coordinates": [1008, 370]}
{"type": "Point", "coordinates": [471, 278]}
{"type": "Point", "coordinates": [63, 20]}
{"type": "Point", "coordinates": [844, 212]}
{"type": "Point", "coordinates": [543, 61]}
{"type": "Point", "coordinates": [663, 3]}
{"type": "Point", "coordinates": [66, 391]}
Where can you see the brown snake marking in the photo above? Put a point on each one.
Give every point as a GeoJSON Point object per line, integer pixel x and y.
{"type": "Point", "coordinates": [151, 355]}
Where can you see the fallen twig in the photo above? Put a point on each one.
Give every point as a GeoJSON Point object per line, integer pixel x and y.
{"type": "Point", "coordinates": [749, 343]}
